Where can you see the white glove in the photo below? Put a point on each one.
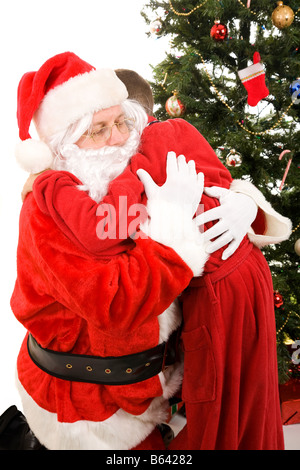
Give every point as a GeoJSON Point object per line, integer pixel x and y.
{"type": "Point", "coordinates": [236, 213]}
{"type": "Point", "coordinates": [183, 186]}
{"type": "Point", "coordinates": [171, 208]}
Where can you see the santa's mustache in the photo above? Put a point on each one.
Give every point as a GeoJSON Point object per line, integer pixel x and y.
{"type": "Point", "coordinates": [96, 168]}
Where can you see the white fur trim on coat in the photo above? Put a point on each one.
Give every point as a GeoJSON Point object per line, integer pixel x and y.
{"type": "Point", "coordinates": [122, 431]}
{"type": "Point", "coordinates": [278, 228]}
{"type": "Point", "coordinates": [172, 226]}
{"type": "Point", "coordinates": [169, 321]}
{"type": "Point", "coordinates": [88, 92]}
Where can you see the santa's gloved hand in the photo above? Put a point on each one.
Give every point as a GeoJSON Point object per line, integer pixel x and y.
{"type": "Point", "coordinates": [171, 208]}
{"type": "Point", "coordinates": [236, 213]}
{"type": "Point", "coordinates": [183, 186]}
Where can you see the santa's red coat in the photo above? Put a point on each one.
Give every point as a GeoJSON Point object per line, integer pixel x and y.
{"type": "Point", "coordinates": [230, 381]}
{"type": "Point", "coordinates": [70, 301]}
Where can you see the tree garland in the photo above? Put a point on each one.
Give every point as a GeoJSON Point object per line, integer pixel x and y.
{"type": "Point", "coordinates": [205, 1]}
{"type": "Point", "coordinates": [240, 124]}
{"type": "Point", "coordinates": [190, 12]}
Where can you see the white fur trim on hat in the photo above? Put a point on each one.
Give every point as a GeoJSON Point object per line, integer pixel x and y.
{"type": "Point", "coordinates": [33, 156]}
{"type": "Point", "coordinates": [251, 72]}
{"type": "Point", "coordinates": [88, 92]}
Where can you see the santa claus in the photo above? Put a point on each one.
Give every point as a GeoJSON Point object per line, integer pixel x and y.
{"type": "Point", "coordinates": [99, 313]}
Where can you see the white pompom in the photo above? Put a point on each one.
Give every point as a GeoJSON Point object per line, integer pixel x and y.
{"type": "Point", "coordinates": [33, 156]}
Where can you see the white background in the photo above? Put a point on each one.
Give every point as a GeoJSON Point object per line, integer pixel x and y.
{"type": "Point", "coordinates": [109, 33]}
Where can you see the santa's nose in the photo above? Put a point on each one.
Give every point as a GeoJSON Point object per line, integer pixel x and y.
{"type": "Point", "coordinates": [116, 137]}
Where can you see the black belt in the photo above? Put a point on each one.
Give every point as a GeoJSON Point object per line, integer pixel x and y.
{"type": "Point", "coordinates": [123, 370]}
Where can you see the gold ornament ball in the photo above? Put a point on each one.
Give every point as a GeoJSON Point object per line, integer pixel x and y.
{"type": "Point", "coordinates": [297, 247]}
{"type": "Point", "coordinates": [282, 16]}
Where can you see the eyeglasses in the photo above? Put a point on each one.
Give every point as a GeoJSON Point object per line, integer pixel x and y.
{"type": "Point", "coordinates": [103, 134]}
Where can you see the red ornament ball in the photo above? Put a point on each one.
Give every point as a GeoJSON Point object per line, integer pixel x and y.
{"type": "Point", "coordinates": [278, 299]}
{"type": "Point", "coordinates": [219, 31]}
{"type": "Point", "coordinates": [174, 107]}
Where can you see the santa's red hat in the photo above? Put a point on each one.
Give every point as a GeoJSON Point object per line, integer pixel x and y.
{"type": "Point", "coordinates": [62, 91]}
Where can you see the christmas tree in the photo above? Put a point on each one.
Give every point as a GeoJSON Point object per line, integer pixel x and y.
{"type": "Point", "coordinates": [232, 69]}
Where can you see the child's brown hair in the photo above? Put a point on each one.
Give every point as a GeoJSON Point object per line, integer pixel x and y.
{"type": "Point", "coordinates": [138, 88]}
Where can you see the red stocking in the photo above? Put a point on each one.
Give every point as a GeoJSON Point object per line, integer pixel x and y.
{"type": "Point", "coordinates": [253, 79]}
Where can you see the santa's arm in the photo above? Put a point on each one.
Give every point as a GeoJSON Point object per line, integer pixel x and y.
{"type": "Point", "coordinates": [98, 228]}
{"type": "Point", "coordinates": [125, 290]}
{"type": "Point", "coordinates": [243, 210]}
{"type": "Point", "coordinates": [270, 226]}
{"type": "Point", "coordinates": [116, 295]}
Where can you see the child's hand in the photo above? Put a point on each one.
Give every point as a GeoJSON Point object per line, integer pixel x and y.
{"type": "Point", "coordinates": [27, 188]}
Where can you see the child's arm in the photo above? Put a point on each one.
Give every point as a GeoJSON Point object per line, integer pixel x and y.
{"type": "Point", "coordinates": [267, 227]}
{"type": "Point", "coordinates": [181, 137]}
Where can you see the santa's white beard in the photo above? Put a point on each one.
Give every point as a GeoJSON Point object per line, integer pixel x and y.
{"type": "Point", "coordinates": [96, 168]}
